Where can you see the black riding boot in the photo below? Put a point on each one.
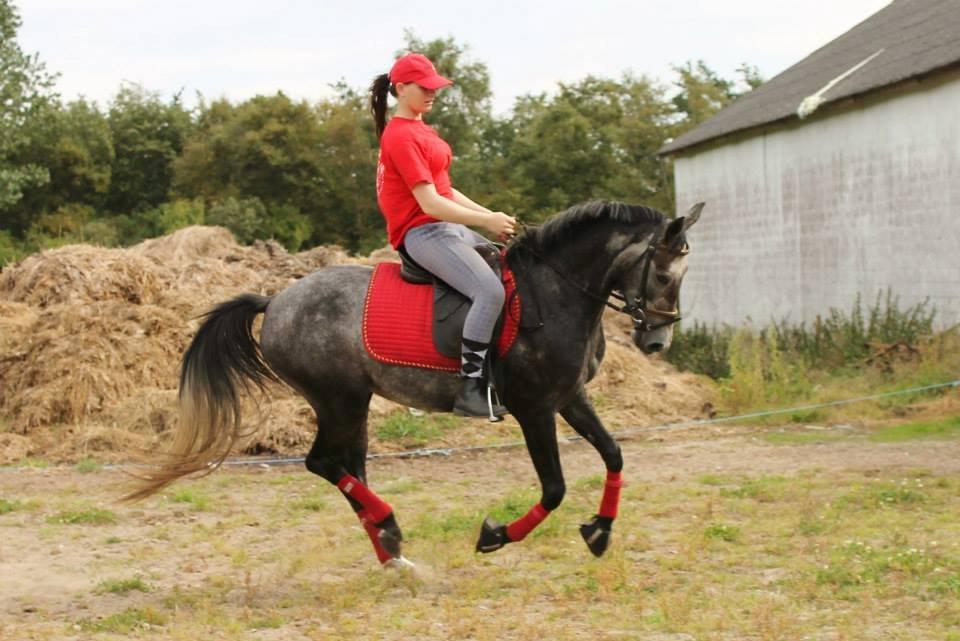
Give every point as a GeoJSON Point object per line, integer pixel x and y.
{"type": "Point", "coordinates": [475, 397]}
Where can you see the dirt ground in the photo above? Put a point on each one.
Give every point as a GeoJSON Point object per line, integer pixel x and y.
{"type": "Point", "coordinates": [54, 582]}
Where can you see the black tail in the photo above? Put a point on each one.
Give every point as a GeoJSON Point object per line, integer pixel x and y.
{"type": "Point", "coordinates": [223, 359]}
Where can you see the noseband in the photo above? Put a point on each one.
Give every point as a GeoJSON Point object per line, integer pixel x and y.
{"type": "Point", "coordinates": [636, 309]}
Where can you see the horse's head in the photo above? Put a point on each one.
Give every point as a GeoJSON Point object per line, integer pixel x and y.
{"type": "Point", "coordinates": [653, 286]}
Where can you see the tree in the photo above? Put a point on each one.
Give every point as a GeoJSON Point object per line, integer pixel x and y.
{"type": "Point", "coordinates": [148, 135]}
{"type": "Point", "coordinates": [594, 139]}
{"type": "Point", "coordinates": [25, 91]}
{"type": "Point", "coordinates": [269, 148]}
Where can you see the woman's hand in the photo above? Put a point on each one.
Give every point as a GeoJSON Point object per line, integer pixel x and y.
{"type": "Point", "coordinates": [502, 225]}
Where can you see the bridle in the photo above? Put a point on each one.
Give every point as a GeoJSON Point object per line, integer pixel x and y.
{"type": "Point", "coordinates": [636, 308]}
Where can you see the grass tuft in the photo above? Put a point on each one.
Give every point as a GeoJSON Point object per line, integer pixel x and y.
{"type": "Point", "coordinates": [122, 586]}
{"type": "Point", "coordinates": [91, 516]}
{"type": "Point", "coordinates": [130, 620]}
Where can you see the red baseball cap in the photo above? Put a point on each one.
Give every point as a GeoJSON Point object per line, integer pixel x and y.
{"type": "Point", "coordinates": [416, 67]}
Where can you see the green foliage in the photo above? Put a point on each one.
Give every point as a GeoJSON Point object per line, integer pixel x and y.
{"type": "Point", "coordinates": [702, 349]}
{"type": "Point", "coordinates": [8, 506]}
{"type": "Point", "coordinates": [148, 135]}
{"type": "Point", "coordinates": [787, 362]}
{"type": "Point", "coordinates": [25, 94]}
{"type": "Point", "coordinates": [304, 174]}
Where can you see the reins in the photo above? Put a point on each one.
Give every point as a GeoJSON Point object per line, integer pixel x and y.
{"type": "Point", "coordinates": [636, 309]}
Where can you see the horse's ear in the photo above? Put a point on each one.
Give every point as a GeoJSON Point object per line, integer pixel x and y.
{"type": "Point", "coordinates": [679, 226]}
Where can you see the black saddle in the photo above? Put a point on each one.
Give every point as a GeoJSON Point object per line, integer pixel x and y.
{"type": "Point", "coordinates": [450, 307]}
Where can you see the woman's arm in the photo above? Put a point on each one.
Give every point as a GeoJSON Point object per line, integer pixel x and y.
{"type": "Point", "coordinates": [433, 204]}
{"type": "Point", "coordinates": [461, 199]}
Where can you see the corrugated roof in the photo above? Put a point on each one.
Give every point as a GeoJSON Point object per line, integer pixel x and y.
{"type": "Point", "coordinates": [905, 39]}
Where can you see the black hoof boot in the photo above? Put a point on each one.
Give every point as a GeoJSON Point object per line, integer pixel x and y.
{"type": "Point", "coordinates": [493, 536]}
{"type": "Point", "coordinates": [474, 399]}
{"type": "Point", "coordinates": [597, 534]}
{"type": "Point", "coordinates": [390, 536]}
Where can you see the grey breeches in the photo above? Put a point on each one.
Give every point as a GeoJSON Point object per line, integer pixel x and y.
{"type": "Point", "coordinates": [446, 251]}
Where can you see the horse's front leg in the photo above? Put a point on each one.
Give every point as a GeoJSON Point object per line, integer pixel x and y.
{"type": "Point", "coordinates": [540, 434]}
{"type": "Point", "coordinates": [582, 417]}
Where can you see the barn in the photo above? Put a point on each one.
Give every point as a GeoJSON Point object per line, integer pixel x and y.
{"type": "Point", "coordinates": [838, 177]}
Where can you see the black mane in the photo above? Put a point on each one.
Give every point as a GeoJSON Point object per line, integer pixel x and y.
{"type": "Point", "coordinates": [563, 225]}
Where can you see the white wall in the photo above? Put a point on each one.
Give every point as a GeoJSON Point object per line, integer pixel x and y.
{"type": "Point", "coordinates": [801, 219]}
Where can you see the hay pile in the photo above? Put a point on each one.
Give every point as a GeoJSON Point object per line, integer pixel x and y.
{"type": "Point", "coordinates": [91, 340]}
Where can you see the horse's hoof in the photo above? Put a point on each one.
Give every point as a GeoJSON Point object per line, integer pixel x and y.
{"type": "Point", "coordinates": [390, 535]}
{"type": "Point", "coordinates": [493, 536]}
{"type": "Point", "coordinates": [390, 539]}
{"type": "Point", "coordinates": [596, 533]}
{"type": "Point", "coordinates": [399, 563]}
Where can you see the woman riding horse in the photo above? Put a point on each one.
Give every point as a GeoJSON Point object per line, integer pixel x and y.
{"type": "Point", "coordinates": [426, 217]}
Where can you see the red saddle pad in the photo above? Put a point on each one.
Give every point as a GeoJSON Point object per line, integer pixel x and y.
{"type": "Point", "coordinates": [398, 318]}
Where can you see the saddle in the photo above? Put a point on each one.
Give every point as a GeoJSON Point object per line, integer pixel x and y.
{"type": "Point", "coordinates": [450, 307]}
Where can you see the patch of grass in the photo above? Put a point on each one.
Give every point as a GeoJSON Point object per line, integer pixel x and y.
{"type": "Point", "coordinates": [722, 532]}
{"type": "Point", "coordinates": [90, 516]}
{"type": "Point", "coordinates": [591, 482]}
{"type": "Point", "coordinates": [122, 586]}
{"type": "Point", "coordinates": [311, 503]}
{"type": "Point", "coordinates": [414, 431]}
{"type": "Point", "coordinates": [87, 466]}
{"type": "Point", "coordinates": [802, 438]}
{"type": "Point", "coordinates": [9, 506]}
{"type": "Point", "coordinates": [265, 623]}
{"type": "Point", "coordinates": [197, 501]}
{"type": "Point", "coordinates": [402, 486]}
{"type": "Point", "coordinates": [944, 428]}
{"type": "Point", "coordinates": [445, 526]}
{"type": "Point", "coordinates": [762, 488]}
{"type": "Point", "coordinates": [887, 494]}
{"type": "Point", "coordinates": [130, 620]}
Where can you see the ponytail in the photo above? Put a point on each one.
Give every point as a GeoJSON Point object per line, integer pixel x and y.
{"type": "Point", "coordinates": [378, 101]}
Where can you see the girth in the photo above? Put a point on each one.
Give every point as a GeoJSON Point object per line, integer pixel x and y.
{"type": "Point", "coordinates": [450, 307]}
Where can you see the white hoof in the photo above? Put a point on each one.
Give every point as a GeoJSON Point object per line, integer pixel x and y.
{"type": "Point", "coordinates": [399, 563]}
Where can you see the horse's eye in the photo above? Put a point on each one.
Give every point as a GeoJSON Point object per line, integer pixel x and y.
{"type": "Point", "coordinates": [663, 279]}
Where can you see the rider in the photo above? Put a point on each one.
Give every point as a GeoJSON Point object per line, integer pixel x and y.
{"type": "Point", "coordinates": [428, 218]}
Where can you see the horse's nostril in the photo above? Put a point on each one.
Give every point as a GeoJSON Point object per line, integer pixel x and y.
{"type": "Point", "coordinates": [654, 347]}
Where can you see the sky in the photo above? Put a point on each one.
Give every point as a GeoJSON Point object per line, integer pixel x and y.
{"type": "Point", "coordinates": [240, 48]}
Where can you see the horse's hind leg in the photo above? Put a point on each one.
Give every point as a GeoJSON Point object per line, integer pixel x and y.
{"type": "Point", "coordinates": [582, 417]}
{"type": "Point", "coordinates": [339, 455]}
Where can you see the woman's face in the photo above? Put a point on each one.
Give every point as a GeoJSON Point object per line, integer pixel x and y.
{"type": "Point", "coordinates": [415, 98]}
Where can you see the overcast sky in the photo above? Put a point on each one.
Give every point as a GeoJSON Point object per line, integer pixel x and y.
{"type": "Point", "coordinates": [240, 48]}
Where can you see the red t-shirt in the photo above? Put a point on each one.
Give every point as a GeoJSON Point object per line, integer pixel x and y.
{"type": "Point", "coordinates": [411, 152]}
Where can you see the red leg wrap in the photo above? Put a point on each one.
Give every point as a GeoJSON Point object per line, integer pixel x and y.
{"type": "Point", "coordinates": [519, 529]}
{"type": "Point", "coordinates": [611, 495]}
{"type": "Point", "coordinates": [376, 508]}
{"type": "Point", "coordinates": [382, 555]}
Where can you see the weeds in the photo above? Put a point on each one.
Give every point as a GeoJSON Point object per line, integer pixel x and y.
{"type": "Point", "coordinates": [838, 355]}
{"type": "Point", "coordinates": [9, 506]}
{"type": "Point", "coordinates": [130, 620]}
{"type": "Point", "coordinates": [122, 586]}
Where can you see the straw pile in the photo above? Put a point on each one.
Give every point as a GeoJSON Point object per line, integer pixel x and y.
{"type": "Point", "coordinates": [91, 340]}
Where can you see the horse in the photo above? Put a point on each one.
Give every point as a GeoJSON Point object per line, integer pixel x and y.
{"type": "Point", "coordinates": [566, 268]}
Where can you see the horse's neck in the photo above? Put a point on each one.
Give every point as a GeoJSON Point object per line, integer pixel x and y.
{"type": "Point", "coordinates": [588, 256]}
{"type": "Point", "coordinates": [583, 262]}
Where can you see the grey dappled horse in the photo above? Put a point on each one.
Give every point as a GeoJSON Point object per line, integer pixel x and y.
{"type": "Point", "coordinates": [311, 338]}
